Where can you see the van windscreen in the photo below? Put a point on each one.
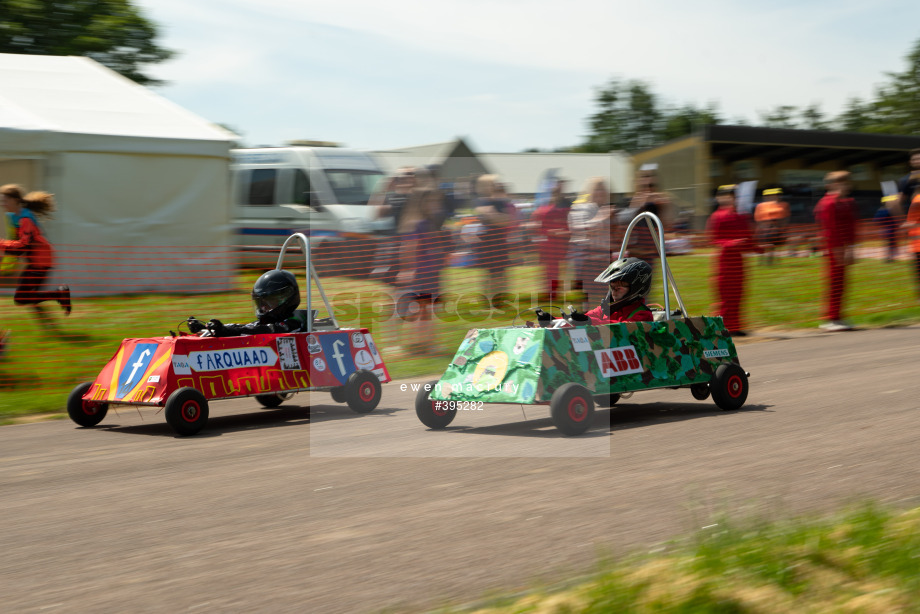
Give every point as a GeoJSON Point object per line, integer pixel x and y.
{"type": "Point", "coordinates": [353, 187]}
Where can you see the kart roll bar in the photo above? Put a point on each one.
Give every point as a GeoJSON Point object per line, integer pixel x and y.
{"type": "Point", "coordinates": [658, 238]}
{"type": "Point", "coordinates": [311, 277]}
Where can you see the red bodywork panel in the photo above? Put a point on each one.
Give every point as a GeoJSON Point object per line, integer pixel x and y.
{"type": "Point", "coordinates": [147, 371]}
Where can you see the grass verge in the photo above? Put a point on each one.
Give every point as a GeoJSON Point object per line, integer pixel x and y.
{"type": "Point", "coordinates": [862, 560]}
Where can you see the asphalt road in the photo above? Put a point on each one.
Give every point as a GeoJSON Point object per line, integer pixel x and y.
{"type": "Point", "coordinates": [268, 512]}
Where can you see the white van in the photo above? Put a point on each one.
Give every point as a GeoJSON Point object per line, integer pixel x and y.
{"type": "Point", "coordinates": [319, 191]}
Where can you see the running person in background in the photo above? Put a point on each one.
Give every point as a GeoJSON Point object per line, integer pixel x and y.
{"type": "Point", "coordinates": [31, 244]}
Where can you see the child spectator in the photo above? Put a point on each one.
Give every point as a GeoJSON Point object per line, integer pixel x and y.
{"type": "Point", "coordinates": [912, 225]}
{"type": "Point", "coordinates": [771, 216]}
{"type": "Point", "coordinates": [887, 222]}
{"type": "Point", "coordinates": [731, 233]}
{"type": "Point", "coordinates": [835, 214]}
{"type": "Point", "coordinates": [30, 242]}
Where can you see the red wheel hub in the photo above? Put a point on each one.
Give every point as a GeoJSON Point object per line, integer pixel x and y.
{"type": "Point", "coordinates": [191, 411]}
{"type": "Point", "coordinates": [578, 409]}
{"type": "Point", "coordinates": [734, 386]}
{"type": "Point", "coordinates": [439, 408]}
{"type": "Point", "coordinates": [90, 409]}
{"type": "Point", "coordinates": [366, 392]}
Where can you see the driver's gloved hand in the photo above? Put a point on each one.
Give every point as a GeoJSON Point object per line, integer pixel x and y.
{"type": "Point", "coordinates": [576, 317]}
{"type": "Point", "coordinates": [605, 305]}
{"type": "Point", "coordinates": [216, 327]}
{"type": "Point", "coordinates": [195, 325]}
{"type": "Point", "coordinates": [543, 318]}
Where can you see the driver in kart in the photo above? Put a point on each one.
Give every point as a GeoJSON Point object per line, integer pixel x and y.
{"type": "Point", "coordinates": [630, 280]}
{"type": "Point", "coordinates": [275, 296]}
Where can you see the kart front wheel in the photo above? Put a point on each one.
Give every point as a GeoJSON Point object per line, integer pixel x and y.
{"type": "Point", "coordinates": [572, 409]}
{"type": "Point", "coordinates": [700, 392]}
{"type": "Point", "coordinates": [362, 392]}
{"type": "Point", "coordinates": [729, 387]}
{"type": "Point", "coordinates": [186, 411]}
{"type": "Point", "coordinates": [338, 394]}
{"type": "Point", "coordinates": [85, 413]}
{"type": "Point", "coordinates": [606, 400]}
{"type": "Point", "coordinates": [270, 401]}
{"type": "Point", "coordinates": [433, 414]}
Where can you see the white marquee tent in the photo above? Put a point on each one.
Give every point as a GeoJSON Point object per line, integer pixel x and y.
{"type": "Point", "coordinates": [141, 184]}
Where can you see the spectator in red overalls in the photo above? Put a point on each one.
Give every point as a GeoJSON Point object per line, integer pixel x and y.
{"type": "Point", "coordinates": [31, 244]}
{"type": "Point", "coordinates": [552, 223]}
{"type": "Point", "coordinates": [731, 232]}
{"type": "Point", "coordinates": [835, 214]}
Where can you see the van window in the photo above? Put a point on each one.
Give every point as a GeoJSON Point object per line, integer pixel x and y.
{"type": "Point", "coordinates": [301, 194]}
{"type": "Point", "coordinates": [262, 187]}
{"type": "Point", "coordinates": [353, 187]}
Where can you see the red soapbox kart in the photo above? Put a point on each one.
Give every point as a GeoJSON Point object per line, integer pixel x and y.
{"type": "Point", "coordinates": [183, 374]}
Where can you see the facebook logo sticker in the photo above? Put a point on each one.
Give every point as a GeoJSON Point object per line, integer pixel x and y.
{"type": "Point", "coordinates": [135, 368]}
{"type": "Point", "coordinates": [337, 351]}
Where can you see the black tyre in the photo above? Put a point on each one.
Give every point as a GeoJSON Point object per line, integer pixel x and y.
{"type": "Point", "coordinates": [362, 392]}
{"type": "Point", "coordinates": [700, 392]}
{"type": "Point", "coordinates": [433, 414]}
{"type": "Point", "coordinates": [729, 387]}
{"type": "Point", "coordinates": [85, 413]}
{"type": "Point", "coordinates": [186, 411]}
{"type": "Point", "coordinates": [606, 400]}
{"type": "Point", "coordinates": [572, 409]}
{"type": "Point", "coordinates": [270, 401]}
{"type": "Point", "coordinates": [338, 394]}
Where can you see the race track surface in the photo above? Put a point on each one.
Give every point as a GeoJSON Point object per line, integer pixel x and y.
{"type": "Point", "coordinates": [270, 511]}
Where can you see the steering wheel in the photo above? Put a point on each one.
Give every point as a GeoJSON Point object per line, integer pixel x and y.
{"type": "Point", "coordinates": [534, 309]}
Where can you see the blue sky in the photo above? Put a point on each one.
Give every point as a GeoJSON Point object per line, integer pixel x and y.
{"type": "Point", "coordinates": [509, 74]}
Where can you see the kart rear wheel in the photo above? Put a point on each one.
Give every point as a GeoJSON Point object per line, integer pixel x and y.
{"type": "Point", "coordinates": [729, 387]}
{"type": "Point", "coordinates": [270, 401]}
{"type": "Point", "coordinates": [85, 413]}
{"type": "Point", "coordinates": [606, 400]}
{"type": "Point", "coordinates": [338, 394]}
{"type": "Point", "coordinates": [572, 409]}
{"type": "Point", "coordinates": [186, 411]}
{"type": "Point", "coordinates": [433, 414]}
{"type": "Point", "coordinates": [700, 392]}
{"type": "Point", "coordinates": [362, 392]}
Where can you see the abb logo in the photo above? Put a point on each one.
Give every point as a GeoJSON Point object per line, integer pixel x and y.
{"type": "Point", "coordinates": [618, 361]}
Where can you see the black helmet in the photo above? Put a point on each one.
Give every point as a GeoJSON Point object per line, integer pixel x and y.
{"type": "Point", "coordinates": [275, 296]}
{"type": "Point", "coordinates": [633, 271]}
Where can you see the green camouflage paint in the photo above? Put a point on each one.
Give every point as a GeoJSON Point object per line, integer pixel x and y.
{"type": "Point", "coordinates": [526, 365]}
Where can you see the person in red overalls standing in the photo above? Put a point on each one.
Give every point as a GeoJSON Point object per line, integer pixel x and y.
{"type": "Point", "coordinates": [731, 233]}
{"type": "Point", "coordinates": [33, 245]}
{"type": "Point", "coordinates": [552, 222]}
{"type": "Point", "coordinates": [835, 214]}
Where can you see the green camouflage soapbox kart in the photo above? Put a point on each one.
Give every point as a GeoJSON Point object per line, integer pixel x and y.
{"type": "Point", "coordinates": [574, 368]}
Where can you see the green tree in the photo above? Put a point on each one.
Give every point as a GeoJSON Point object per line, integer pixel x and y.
{"type": "Point", "coordinates": [812, 118]}
{"type": "Point", "coordinates": [782, 116]}
{"type": "Point", "coordinates": [857, 116]}
{"type": "Point", "coordinates": [685, 120]}
{"type": "Point", "coordinates": [112, 32]}
{"type": "Point", "coordinates": [897, 107]}
{"type": "Point", "coordinates": [628, 118]}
